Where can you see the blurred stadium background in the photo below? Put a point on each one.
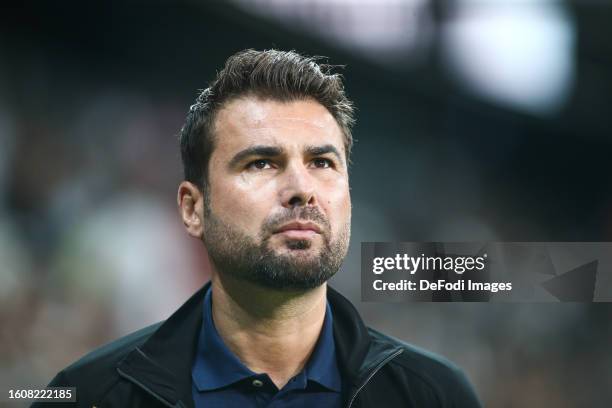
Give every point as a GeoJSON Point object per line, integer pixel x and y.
{"type": "Point", "coordinates": [478, 120]}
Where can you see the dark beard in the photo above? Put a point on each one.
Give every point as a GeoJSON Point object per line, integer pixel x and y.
{"type": "Point", "coordinates": [237, 255]}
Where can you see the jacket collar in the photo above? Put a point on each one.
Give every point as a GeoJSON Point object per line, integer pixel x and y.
{"type": "Point", "coordinates": [162, 365]}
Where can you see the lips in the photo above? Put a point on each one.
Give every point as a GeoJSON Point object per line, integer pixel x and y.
{"type": "Point", "coordinates": [301, 227]}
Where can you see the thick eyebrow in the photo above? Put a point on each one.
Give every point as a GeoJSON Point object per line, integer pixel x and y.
{"type": "Point", "coordinates": [258, 150]}
{"type": "Point", "coordinates": [321, 150]}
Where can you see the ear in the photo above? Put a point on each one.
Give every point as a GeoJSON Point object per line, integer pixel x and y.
{"type": "Point", "coordinates": [190, 202]}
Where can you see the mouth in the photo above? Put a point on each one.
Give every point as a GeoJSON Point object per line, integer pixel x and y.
{"type": "Point", "coordinates": [299, 230]}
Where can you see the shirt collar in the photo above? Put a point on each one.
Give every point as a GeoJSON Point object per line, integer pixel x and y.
{"type": "Point", "coordinates": [216, 366]}
{"type": "Point", "coordinates": [322, 366]}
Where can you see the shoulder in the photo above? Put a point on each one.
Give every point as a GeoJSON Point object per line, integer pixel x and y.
{"type": "Point", "coordinates": [113, 352]}
{"type": "Point", "coordinates": [433, 374]}
{"type": "Point", "coordinates": [97, 369]}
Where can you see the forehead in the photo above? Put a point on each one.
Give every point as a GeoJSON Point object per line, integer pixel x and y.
{"type": "Point", "coordinates": [252, 120]}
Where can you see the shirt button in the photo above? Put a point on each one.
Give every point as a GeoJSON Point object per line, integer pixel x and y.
{"type": "Point", "coordinates": [257, 383]}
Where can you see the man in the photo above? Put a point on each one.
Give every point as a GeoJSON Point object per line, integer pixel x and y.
{"type": "Point", "coordinates": [265, 151]}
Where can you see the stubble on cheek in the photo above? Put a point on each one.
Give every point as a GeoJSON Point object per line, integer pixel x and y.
{"type": "Point", "coordinates": [290, 267]}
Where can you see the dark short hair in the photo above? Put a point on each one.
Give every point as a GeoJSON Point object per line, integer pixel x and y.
{"type": "Point", "coordinates": [278, 75]}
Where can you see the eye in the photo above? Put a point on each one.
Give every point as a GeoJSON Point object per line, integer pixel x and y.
{"type": "Point", "coordinates": [260, 164]}
{"type": "Point", "coordinates": [322, 163]}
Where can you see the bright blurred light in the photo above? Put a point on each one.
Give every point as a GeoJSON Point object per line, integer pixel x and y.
{"type": "Point", "coordinates": [518, 53]}
{"type": "Point", "coordinates": [385, 31]}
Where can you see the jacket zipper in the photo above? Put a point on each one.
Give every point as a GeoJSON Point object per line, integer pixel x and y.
{"type": "Point", "coordinates": [367, 380]}
{"type": "Point", "coordinates": [147, 389]}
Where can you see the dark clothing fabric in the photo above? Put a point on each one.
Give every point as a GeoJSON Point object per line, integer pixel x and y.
{"type": "Point", "coordinates": [220, 379]}
{"type": "Point", "coordinates": [152, 367]}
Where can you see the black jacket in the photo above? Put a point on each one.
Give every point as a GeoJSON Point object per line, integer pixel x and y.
{"type": "Point", "coordinates": [152, 367]}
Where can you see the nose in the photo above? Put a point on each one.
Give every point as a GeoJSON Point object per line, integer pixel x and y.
{"type": "Point", "coordinates": [298, 188]}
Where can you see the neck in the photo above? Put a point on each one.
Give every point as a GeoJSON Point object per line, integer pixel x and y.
{"type": "Point", "coordinates": [270, 331]}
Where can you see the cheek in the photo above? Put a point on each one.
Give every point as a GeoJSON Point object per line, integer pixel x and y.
{"type": "Point", "coordinates": [338, 205]}
{"type": "Point", "coordinates": [238, 202]}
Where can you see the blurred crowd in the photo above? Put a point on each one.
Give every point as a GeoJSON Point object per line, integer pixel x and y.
{"type": "Point", "coordinates": [91, 243]}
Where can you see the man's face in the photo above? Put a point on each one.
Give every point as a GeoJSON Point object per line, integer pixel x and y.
{"type": "Point", "coordinates": [278, 206]}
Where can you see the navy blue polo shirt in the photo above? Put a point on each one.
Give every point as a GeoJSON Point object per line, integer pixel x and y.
{"type": "Point", "coordinates": [220, 379]}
